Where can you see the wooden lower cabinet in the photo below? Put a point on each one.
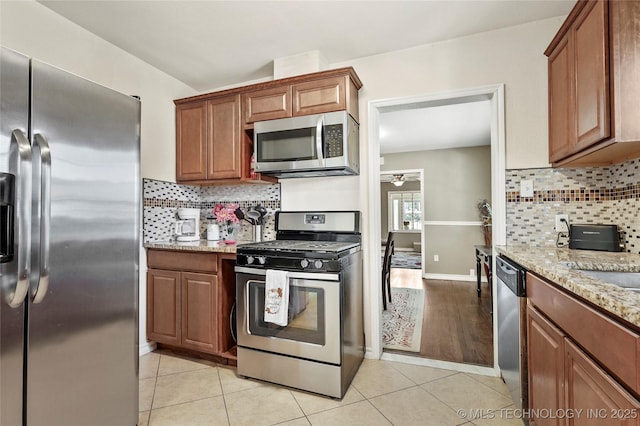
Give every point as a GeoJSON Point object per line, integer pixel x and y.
{"type": "Point", "coordinates": [187, 309]}
{"type": "Point", "coordinates": [593, 394]}
{"type": "Point", "coordinates": [200, 312]}
{"type": "Point", "coordinates": [546, 368]}
{"type": "Point", "coordinates": [163, 306]}
{"type": "Point", "coordinates": [573, 380]}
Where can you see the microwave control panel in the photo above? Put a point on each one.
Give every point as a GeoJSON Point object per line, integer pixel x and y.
{"type": "Point", "coordinates": [333, 140]}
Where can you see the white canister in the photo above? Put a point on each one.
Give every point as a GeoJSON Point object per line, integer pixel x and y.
{"type": "Point", "coordinates": [213, 232]}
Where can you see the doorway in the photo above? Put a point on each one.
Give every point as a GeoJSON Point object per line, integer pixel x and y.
{"type": "Point", "coordinates": [495, 96]}
{"type": "Point", "coordinates": [401, 214]}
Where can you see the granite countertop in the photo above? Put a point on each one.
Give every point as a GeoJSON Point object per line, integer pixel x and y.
{"type": "Point", "coordinates": [562, 266]}
{"type": "Point", "coordinates": [200, 246]}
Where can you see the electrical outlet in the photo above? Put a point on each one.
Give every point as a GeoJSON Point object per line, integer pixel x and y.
{"type": "Point", "coordinates": [526, 188]}
{"type": "Point", "coordinates": [562, 226]}
{"type": "Point", "coordinates": [472, 272]}
{"type": "Point", "coordinates": [436, 258]}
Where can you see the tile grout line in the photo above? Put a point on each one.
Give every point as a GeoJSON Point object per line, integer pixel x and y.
{"type": "Point", "coordinates": [224, 399]}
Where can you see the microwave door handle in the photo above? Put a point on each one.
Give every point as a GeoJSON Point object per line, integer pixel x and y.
{"type": "Point", "coordinates": [319, 144]}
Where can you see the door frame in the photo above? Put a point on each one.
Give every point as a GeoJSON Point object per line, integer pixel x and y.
{"type": "Point", "coordinates": [495, 94]}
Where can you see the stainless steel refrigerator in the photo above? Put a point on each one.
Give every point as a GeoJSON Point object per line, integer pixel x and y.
{"type": "Point", "coordinates": [69, 210]}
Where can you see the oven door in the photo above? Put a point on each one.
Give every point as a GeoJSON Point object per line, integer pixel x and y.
{"type": "Point", "coordinates": [313, 330]}
{"type": "Point", "coordinates": [288, 144]}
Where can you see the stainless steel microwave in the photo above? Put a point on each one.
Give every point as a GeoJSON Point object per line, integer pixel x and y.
{"type": "Point", "coordinates": [307, 146]}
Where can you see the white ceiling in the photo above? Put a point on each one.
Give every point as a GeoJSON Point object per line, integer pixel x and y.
{"type": "Point", "coordinates": [437, 127]}
{"type": "Point", "coordinates": [212, 44]}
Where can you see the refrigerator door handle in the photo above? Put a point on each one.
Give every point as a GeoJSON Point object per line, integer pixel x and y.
{"type": "Point", "coordinates": [41, 146]}
{"type": "Point", "coordinates": [20, 157]}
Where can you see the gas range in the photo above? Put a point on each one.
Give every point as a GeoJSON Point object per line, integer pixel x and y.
{"type": "Point", "coordinates": [305, 241]}
{"type": "Point", "coordinates": [322, 332]}
{"type": "Point", "coordinates": [300, 246]}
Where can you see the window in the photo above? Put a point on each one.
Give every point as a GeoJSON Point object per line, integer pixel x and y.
{"type": "Point", "coordinates": [405, 211]}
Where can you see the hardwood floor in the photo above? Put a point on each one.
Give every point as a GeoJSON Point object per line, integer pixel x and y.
{"type": "Point", "coordinates": [457, 324]}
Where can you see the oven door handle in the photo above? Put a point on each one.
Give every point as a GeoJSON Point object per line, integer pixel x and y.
{"type": "Point", "coordinates": [293, 275]}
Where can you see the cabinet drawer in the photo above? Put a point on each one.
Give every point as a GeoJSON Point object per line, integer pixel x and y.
{"type": "Point", "coordinates": [175, 260]}
{"type": "Point", "coordinates": [613, 345]}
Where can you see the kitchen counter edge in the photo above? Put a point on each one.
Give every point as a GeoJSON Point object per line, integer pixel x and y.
{"type": "Point", "coordinates": [562, 267]}
{"type": "Point", "coordinates": [195, 246]}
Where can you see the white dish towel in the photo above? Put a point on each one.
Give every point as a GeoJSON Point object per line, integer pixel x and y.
{"type": "Point", "coordinates": [276, 297]}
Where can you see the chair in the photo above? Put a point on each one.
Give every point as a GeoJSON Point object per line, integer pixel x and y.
{"type": "Point", "coordinates": [386, 270]}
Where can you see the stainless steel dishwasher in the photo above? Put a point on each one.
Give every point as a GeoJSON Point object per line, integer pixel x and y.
{"type": "Point", "coordinates": [512, 328]}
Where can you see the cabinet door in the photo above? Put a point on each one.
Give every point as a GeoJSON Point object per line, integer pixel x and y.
{"type": "Point", "coordinates": [592, 102]}
{"type": "Point", "coordinates": [590, 389]}
{"type": "Point", "coordinates": [199, 309]}
{"type": "Point", "coordinates": [191, 141]}
{"type": "Point", "coordinates": [546, 367]}
{"type": "Point", "coordinates": [223, 135]}
{"type": "Point", "coordinates": [561, 115]}
{"type": "Point", "coordinates": [267, 104]}
{"type": "Point", "coordinates": [318, 96]}
{"type": "Point", "coordinates": [163, 306]}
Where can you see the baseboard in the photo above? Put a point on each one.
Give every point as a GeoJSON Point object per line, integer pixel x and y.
{"type": "Point", "coordinates": [445, 365]}
{"type": "Point", "coordinates": [146, 347]}
{"type": "Point", "coordinates": [408, 249]}
{"type": "Point", "coordinates": [452, 277]}
{"type": "Point", "coordinates": [368, 353]}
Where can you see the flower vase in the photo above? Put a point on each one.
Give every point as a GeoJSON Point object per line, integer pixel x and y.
{"type": "Point", "coordinates": [229, 233]}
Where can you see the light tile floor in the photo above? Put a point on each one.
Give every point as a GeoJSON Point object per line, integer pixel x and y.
{"type": "Point", "coordinates": [180, 391]}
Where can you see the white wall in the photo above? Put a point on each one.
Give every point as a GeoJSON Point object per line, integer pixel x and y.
{"type": "Point", "coordinates": [513, 56]}
{"type": "Point", "coordinates": [32, 29]}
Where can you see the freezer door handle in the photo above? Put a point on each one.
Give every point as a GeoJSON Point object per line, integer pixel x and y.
{"type": "Point", "coordinates": [43, 154]}
{"type": "Point", "coordinates": [7, 207]}
{"type": "Point", "coordinates": [20, 157]}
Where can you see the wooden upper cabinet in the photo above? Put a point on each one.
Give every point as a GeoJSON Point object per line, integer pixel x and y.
{"type": "Point", "coordinates": [214, 131]}
{"type": "Point", "coordinates": [191, 137]}
{"type": "Point", "coordinates": [210, 141]}
{"type": "Point", "coordinates": [317, 93]}
{"type": "Point", "coordinates": [591, 51]}
{"type": "Point", "coordinates": [315, 97]}
{"type": "Point", "coordinates": [267, 104]}
{"type": "Point", "coordinates": [594, 63]}
{"type": "Point", "coordinates": [223, 138]}
{"type": "Point", "coordinates": [561, 122]}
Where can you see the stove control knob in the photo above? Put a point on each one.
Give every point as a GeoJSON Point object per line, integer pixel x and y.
{"type": "Point", "coordinates": [304, 263]}
{"type": "Point", "coordinates": [262, 260]}
{"type": "Point", "coordinates": [318, 264]}
{"type": "Point", "coordinates": [250, 260]}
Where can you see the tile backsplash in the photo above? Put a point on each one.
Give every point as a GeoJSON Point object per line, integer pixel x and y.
{"type": "Point", "coordinates": [163, 199]}
{"type": "Point", "coordinates": [592, 195]}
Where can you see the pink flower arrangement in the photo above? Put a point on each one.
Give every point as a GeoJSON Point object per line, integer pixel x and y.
{"type": "Point", "coordinates": [225, 214]}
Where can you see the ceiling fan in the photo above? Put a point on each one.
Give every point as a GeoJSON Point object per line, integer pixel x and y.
{"type": "Point", "coordinates": [398, 180]}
